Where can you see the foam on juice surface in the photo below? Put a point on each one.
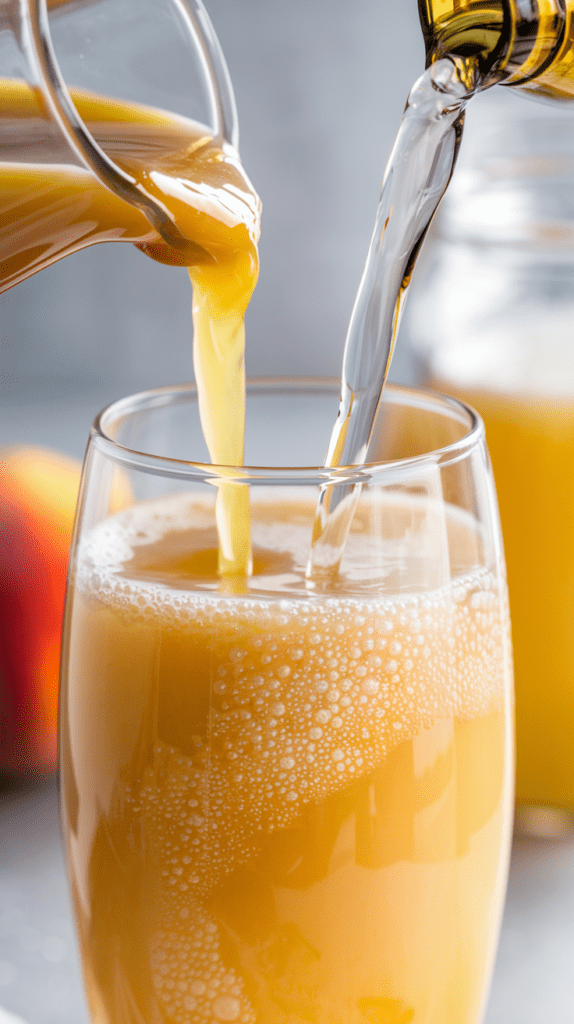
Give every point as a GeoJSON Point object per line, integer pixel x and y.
{"type": "Point", "coordinates": [297, 699]}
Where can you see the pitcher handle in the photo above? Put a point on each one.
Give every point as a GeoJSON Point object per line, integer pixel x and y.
{"type": "Point", "coordinates": [38, 41]}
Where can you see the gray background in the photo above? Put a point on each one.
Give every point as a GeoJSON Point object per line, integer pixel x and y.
{"type": "Point", "coordinates": [320, 87]}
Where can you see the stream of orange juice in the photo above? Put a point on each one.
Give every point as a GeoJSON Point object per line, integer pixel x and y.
{"type": "Point", "coordinates": [281, 807]}
{"type": "Point", "coordinates": [50, 210]}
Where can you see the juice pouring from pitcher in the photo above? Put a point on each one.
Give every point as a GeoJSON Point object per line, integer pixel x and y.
{"type": "Point", "coordinates": [77, 168]}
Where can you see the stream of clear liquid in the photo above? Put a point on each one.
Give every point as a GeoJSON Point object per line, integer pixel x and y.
{"type": "Point", "coordinates": [416, 178]}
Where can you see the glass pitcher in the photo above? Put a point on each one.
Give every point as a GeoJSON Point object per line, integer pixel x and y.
{"type": "Point", "coordinates": [78, 164]}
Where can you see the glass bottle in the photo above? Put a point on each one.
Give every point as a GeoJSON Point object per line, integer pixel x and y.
{"type": "Point", "coordinates": [530, 46]}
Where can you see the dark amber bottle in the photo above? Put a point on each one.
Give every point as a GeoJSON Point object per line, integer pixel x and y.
{"type": "Point", "coordinates": [528, 44]}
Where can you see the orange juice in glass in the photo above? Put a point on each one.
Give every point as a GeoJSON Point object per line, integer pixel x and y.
{"type": "Point", "coordinates": [285, 799]}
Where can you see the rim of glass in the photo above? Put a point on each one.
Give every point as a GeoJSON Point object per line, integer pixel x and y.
{"type": "Point", "coordinates": [396, 394]}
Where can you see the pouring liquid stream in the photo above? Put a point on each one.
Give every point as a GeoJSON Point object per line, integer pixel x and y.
{"type": "Point", "coordinates": [416, 178]}
{"type": "Point", "coordinates": [51, 209]}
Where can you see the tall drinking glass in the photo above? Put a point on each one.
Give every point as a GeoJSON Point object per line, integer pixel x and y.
{"type": "Point", "coordinates": [287, 800]}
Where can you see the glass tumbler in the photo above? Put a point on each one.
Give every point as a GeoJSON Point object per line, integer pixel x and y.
{"type": "Point", "coordinates": [285, 799]}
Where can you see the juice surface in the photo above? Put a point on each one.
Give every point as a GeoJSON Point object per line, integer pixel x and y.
{"type": "Point", "coordinates": [531, 442]}
{"type": "Point", "coordinates": [281, 806]}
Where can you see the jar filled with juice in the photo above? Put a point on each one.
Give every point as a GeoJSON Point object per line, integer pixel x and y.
{"type": "Point", "coordinates": [493, 317]}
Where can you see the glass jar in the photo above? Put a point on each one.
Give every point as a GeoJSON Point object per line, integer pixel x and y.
{"type": "Point", "coordinates": [493, 319]}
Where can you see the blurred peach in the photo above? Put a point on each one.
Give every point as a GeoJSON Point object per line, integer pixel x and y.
{"type": "Point", "coordinates": [38, 494]}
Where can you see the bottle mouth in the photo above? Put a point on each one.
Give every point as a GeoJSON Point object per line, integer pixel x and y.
{"type": "Point", "coordinates": [508, 42]}
{"type": "Point", "coordinates": [474, 31]}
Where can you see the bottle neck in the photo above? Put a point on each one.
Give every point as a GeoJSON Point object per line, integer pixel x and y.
{"type": "Point", "coordinates": [516, 42]}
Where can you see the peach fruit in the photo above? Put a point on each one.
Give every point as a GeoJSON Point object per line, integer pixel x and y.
{"type": "Point", "coordinates": [38, 494]}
